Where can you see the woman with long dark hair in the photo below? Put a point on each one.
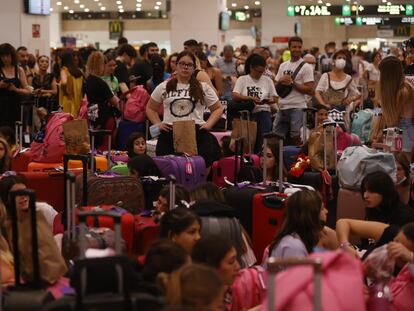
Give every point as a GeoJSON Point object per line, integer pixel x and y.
{"type": "Point", "coordinates": [13, 85]}
{"type": "Point", "coordinates": [397, 99]}
{"type": "Point", "coordinates": [185, 98]}
{"type": "Point", "coordinates": [71, 84]}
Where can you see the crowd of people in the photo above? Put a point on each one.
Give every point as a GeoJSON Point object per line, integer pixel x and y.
{"type": "Point", "coordinates": [185, 266]}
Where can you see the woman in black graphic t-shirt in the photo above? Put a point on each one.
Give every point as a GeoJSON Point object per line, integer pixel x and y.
{"type": "Point", "coordinates": [184, 98]}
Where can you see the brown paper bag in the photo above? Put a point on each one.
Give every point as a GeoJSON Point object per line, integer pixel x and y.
{"type": "Point", "coordinates": [76, 137]}
{"type": "Point", "coordinates": [52, 264]}
{"type": "Point", "coordinates": [184, 135]}
{"type": "Point", "coordinates": [247, 130]}
{"type": "Point", "coordinates": [316, 149]}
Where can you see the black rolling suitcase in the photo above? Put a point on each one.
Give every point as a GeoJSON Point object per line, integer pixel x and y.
{"type": "Point", "coordinates": [29, 296]}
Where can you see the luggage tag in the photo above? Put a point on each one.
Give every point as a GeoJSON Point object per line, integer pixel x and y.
{"type": "Point", "coordinates": [26, 138]}
{"type": "Point", "coordinates": [188, 167]}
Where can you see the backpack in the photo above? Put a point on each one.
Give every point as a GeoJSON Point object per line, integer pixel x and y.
{"type": "Point", "coordinates": [136, 104]}
{"type": "Point", "coordinates": [52, 148]}
{"type": "Point", "coordinates": [356, 162]}
{"type": "Point", "coordinates": [361, 124]}
{"type": "Point", "coordinates": [248, 289]}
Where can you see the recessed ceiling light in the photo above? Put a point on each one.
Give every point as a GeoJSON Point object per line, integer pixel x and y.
{"type": "Point", "coordinates": [66, 8]}
{"type": "Point", "coordinates": [51, 9]}
{"type": "Point", "coordinates": [328, 4]}
{"type": "Point", "coordinates": [119, 2]}
{"type": "Point", "coordinates": [76, 1]}
{"type": "Point", "coordinates": [139, 5]}
{"type": "Point", "coordinates": [257, 2]}
{"type": "Point", "coordinates": [120, 6]}
{"type": "Point", "coordinates": [82, 6]}
{"type": "Point", "coordinates": [138, 9]}
{"type": "Point", "coordinates": [71, 11]}
{"type": "Point", "coordinates": [99, 4]}
{"type": "Point", "coordinates": [139, 1]}
{"type": "Point", "coordinates": [121, 10]}
{"type": "Point", "coordinates": [58, 3]}
{"type": "Point", "coordinates": [234, 5]}
{"type": "Point", "coordinates": [149, 14]}
{"type": "Point", "coordinates": [103, 8]}
{"type": "Point", "coordinates": [158, 3]}
{"type": "Point", "coordinates": [246, 7]}
{"type": "Point", "coordinates": [156, 7]}
{"type": "Point", "coordinates": [96, 0]}
{"type": "Point", "coordinates": [86, 10]}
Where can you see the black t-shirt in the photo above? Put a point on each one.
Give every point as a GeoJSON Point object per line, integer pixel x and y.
{"type": "Point", "coordinates": [121, 72]}
{"type": "Point", "coordinates": [399, 216]}
{"type": "Point", "coordinates": [409, 70]}
{"type": "Point", "coordinates": [143, 70]}
{"type": "Point", "coordinates": [98, 92]}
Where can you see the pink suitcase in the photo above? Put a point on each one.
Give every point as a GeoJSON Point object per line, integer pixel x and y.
{"type": "Point", "coordinates": [225, 168]}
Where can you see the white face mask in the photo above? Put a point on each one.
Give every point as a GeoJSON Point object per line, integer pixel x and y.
{"type": "Point", "coordinates": [340, 63]}
{"type": "Point", "coordinates": [213, 53]}
{"type": "Point", "coordinates": [240, 69]}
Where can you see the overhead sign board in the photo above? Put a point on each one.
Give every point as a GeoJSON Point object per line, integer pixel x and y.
{"type": "Point", "coordinates": [351, 10]}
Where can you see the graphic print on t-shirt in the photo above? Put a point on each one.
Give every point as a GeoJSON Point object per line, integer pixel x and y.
{"type": "Point", "coordinates": [254, 91]}
{"type": "Point", "coordinates": [182, 106]}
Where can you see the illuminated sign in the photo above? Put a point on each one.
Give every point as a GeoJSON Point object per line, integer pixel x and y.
{"type": "Point", "coordinates": [351, 10]}
{"type": "Point", "coordinates": [308, 10]}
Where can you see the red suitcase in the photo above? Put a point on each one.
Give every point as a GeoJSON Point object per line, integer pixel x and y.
{"type": "Point", "coordinates": [225, 167]}
{"type": "Point", "coordinates": [20, 161]}
{"type": "Point", "coordinates": [268, 215]}
{"type": "Point", "coordinates": [146, 232]}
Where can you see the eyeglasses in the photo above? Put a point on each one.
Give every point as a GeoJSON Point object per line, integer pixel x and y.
{"type": "Point", "coordinates": [186, 65]}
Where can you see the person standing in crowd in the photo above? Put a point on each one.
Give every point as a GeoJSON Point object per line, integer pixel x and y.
{"type": "Point", "coordinates": [13, 85]}
{"type": "Point", "coordinates": [290, 115]}
{"type": "Point", "coordinates": [336, 82]}
{"type": "Point", "coordinates": [214, 74]}
{"type": "Point", "coordinates": [212, 55]}
{"type": "Point", "coordinates": [311, 60]}
{"type": "Point", "coordinates": [409, 58]}
{"type": "Point", "coordinates": [158, 73]}
{"type": "Point", "coordinates": [126, 56]}
{"type": "Point", "coordinates": [397, 100]}
{"type": "Point", "coordinates": [23, 59]}
{"type": "Point", "coordinates": [102, 103]}
{"type": "Point", "coordinates": [326, 59]}
{"type": "Point", "coordinates": [44, 85]}
{"type": "Point", "coordinates": [185, 98]}
{"type": "Point", "coordinates": [71, 84]}
{"type": "Point", "coordinates": [192, 46]}
{"type": "Point", "coordinates": [142, 71]}
{"type": "Point", "coordinates": [122, 40]}
{"type": "Point", "coordinates": [260, 91]}
{"type": "Point", "coordinates": [109, 77]}
{"type": "Point", "coordinates": [172, 64]}
{"type": "Point", "coordinates": [227, 65]}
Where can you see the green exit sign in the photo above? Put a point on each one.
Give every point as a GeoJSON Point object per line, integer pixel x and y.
{"type": "Point", "coordinates": [358, 21]}
{"type": "Point", "coordinates": [346, 10]}
{"type": "Point", "coordinates": [409, 9]}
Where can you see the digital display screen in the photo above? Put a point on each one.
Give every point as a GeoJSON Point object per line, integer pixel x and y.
{"type": "Point", "coordinates": [224, 21]}
{"type": "Point", "coordinates": [351, 10]}
{"type": "Point", "coordinates": [37, 7]}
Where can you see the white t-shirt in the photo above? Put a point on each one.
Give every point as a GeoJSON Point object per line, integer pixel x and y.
{"type": "Point", "coordinates": [178, 105]}
{"type": "Point", "coordinates": [323, 85]}
{"type": "Point", "coordinates": [262, 88]}
{"type": "Point", "coordinates": [373, 73]}
{"type": "Point", "coordinates": [295, 99]}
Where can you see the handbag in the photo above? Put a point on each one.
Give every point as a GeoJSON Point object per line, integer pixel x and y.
{"type": "Point", "coordinates": [284, 90]}
{"type": "Point", "coordinates": [335, 97]}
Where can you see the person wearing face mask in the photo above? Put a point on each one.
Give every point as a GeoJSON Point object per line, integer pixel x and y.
{"type": "Point", "coordinates": [336, 89]}
{"type": "Point", "coordinates": [311, 60]}
{"type": "Point", "coordinates": [212, 56]}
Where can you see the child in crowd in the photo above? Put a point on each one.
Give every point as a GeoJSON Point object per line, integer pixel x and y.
{"type": "Point", "coordinates": [182, 227]}
{"type": "Point", "coordinates": [143, 165]}
{"type": "Point", "coordinates": [136, 144]}
{"type": "Point", "coordinates": [163, 202]}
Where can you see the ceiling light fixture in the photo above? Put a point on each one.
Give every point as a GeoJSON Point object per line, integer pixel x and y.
{"type": "Point", "coordinates": [257, 2]}
{"type": "Point", "coordinates": [66, 8]}
{"type": "Point", "coordinates": [158, 3]}
{"type": "Point", "coordinates": [156, 7]}
{"type": "Point", "coordinates": [86, 10]}
{"type": "Point", "coordinates": [246, 7]}
{"type": "Point", "coordinates": [103, 8]}
{"type": "Point", "coordinates": [58, 3]}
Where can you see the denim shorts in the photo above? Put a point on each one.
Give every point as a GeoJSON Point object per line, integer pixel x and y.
{"type": "Point", "coordinates": [407, 125]}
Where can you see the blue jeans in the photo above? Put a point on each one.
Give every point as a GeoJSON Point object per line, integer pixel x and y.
{"type": "Point", "coordinates": [264, 125]}
{"type": "Point", "coordinates": [288, 119]}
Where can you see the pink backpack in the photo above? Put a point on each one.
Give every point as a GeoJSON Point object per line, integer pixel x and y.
{"type": "Point", "coordinates": [249, 288]}
{"type": "Point", "coordinates": [53, 146]}
{"type": "Point", "coordinates": [136, 104]}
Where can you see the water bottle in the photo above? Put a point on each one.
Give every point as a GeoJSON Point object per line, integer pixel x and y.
{"type": "Point", "coordinates": [389, 139]}
{"type": "Point", "coordinates": [379, 298]}
{"type": "Point", "coordinates": [399, 140]}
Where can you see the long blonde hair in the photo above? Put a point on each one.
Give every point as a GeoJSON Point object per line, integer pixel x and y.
{"type": "Point", "coordinates": [392, 85]}
{"type": "Point", "coordinates": [5, 162]}
{"type": "Point", "coordinates": [96, 64]}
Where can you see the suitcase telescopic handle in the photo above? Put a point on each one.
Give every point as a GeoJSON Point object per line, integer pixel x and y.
{"type": "Point", "coordinates": [35, 246]}
{"type": "Point", "coordinates": [280, 138]}
{"type": "Point", "coordinates": [93, 134]}
{"type": "Point", "coordinates": [173, 181]}
{"type": "Point", "coordinates": [117, 228]}
{"type": "Point", "coordinates": [238, 156]}
{"type": "Point", "coordinates": [326, 126]}
{"type": "Point", "coordinates": [84, 159]}
{"type": "Point", "coordinates": [273, 266]}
